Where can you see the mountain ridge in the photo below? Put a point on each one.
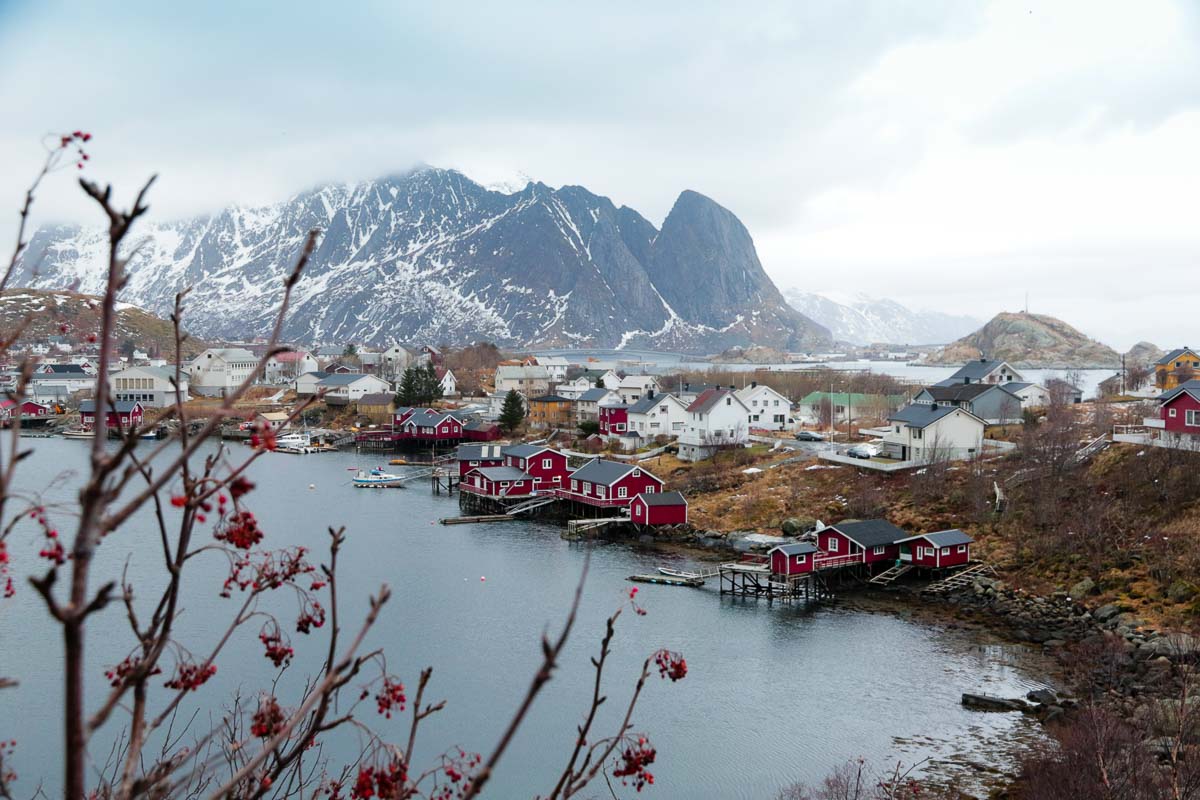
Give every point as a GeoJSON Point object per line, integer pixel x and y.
{"type": "Point", "coordinates": [863, 320]}
{"type": "Point", "coordinates": [431, 255]}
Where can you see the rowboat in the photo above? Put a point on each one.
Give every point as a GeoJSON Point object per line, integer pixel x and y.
{"type": "Point", "coordinates": [667, 580]}
{"type": "Point", "coordinates": [79, 433]}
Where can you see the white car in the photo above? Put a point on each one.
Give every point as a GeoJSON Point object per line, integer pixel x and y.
{"type": "Point", "coordinates": [864, 450]}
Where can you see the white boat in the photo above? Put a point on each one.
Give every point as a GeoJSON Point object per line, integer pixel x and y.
{"type": "Point", "coordinates": [296, 441]}
{"type": "Point", "coordinates": [377, 479]}
{"type": "Point", "coordinates": [79, 433]}
{"type": "Point", "coordinates": [677, 573]}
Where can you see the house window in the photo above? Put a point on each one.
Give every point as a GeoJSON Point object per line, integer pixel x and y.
{"type": "Point", "coordinates": [878, 551]}
{"type": "Point", "coordinates": [1171, 412]}
{"type": "Point", "coordinates": [945, 551]}
{"type": "Point", "coordinates": [547, 463]}
{"type": "Point", "coordinates": [833, 544]}
{"type": "Point", "coordinates": [1192, 417]}
{"type": "Point", "coordinates": [801, 559]}
{"type": "Point", "coordinates": [474, 463]}
{"type": "Point", "coordinates": [649, 490]}
{"type": "Point", "coordinates": [622, 491]}
{"type": "Point", "coordinates": [962, 548]}
{"type": "Point", "coordinates": [503, 484]}
{"type": "Point", "coordinates": [574, 486]}
{"type": "Point", "coordinates": [637, 473]}
{"type": "Point", "coordinates": [601, 491]}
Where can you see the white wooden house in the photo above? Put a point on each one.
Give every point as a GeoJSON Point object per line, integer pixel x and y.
{"type": "Point", "coordinates": [927, 432]}
{"type": "Point", "coordinates": [634, 387]}
{"type": "Point", "coordinates": [768, 408]}
{"type": "Point", "coordinates": [153, 387]}
{"type": "Point", "coordinates": [657, 415]}
{"type": "Point", "coordinates": [219, 370]}
{"type": "Point", "coordinates": [716, 419]}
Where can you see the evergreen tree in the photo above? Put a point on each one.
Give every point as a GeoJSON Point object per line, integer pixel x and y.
{"type": "Point", "coordinates": [512, 413]}
{"type": "Point", "coordinates": [600, 382]}
{"type": "Point", "coordinates": [408, 393]}
{"type": "Point", "coordinates": [431, 387]}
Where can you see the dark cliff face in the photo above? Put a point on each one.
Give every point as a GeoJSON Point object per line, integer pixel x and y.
{"type": "Point", "coordinates": [431, 255]}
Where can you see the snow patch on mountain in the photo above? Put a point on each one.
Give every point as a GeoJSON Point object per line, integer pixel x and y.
{"type": "Point", "coordinates": [860, 319]}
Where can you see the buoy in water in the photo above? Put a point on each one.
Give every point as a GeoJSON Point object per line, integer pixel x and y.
{"type": "Point", "coordinates": [312, 486]}
{"type": "Point", "coordinates": [481, 578]}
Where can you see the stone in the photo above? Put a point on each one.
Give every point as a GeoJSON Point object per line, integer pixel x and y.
{"type": "Point", "coordinates": [988, 702]}
{"type": "Point", "coordinates": [1106, 612]}
{"type": "Point", "coordinates": [1045, 697]}
{"type": "Point", "coordinates": [1175, 645]}
{"type": "Point", "coordinates": [794, 526]}
{"type": "Point", "coordinates": [1181, 591]}
{"type": "Point", "coordinates": [1083, 588]}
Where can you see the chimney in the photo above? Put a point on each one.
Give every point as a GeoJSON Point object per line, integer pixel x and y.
{"type": "Point", "coordinates": [687, 387]}
{"type": "Point", "coordinates": [732, 388]}
{"type": "Point", "coordinates": [753, 384]}
{"type": "Point", "coordinates": [933, 405]}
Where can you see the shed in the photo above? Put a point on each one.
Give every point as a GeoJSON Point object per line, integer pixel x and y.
{"type": "Point", "coordinates": [659, 508]}
{"type": "Point", "coordinates": [872, 539]}
{"type": "Point", "coordinates": [498, 482]}
{"type": "Point", "coordinates": [949, 548]}
{"type": "Point", "coordinates": [792, 559]}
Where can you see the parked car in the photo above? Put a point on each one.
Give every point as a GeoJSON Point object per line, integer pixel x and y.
{"type": "Point", "coordinates": [863, 451]}
{"type": "Point", "coordinates": [809, 436]}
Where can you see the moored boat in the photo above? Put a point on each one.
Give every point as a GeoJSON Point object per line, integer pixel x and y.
{"type": "Point", "coordinates": [377, 479]}
{"type": "Point", "coordinates": [79, 433]}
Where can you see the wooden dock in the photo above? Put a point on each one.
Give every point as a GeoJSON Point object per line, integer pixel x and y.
{"type": "Point", "coordinates": [667, 580]}
{"type": "Point", "coordinates": [478, 518]}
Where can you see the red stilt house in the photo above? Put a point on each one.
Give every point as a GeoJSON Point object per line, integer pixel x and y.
{"type": "Point", "coordinates": [660, 508]}
{"type": "Point", "coordinates": [609, 484]}
{"type": "Point", "coordinates": [864, 542]}
{"type": "Point", "coordinates": [31, 409]}
{"type": "Point", "coordinates": [793, 559]}
{"type": "Point", "coordinates": [121, 414]}
{"type": "Point", "coordinates": [471, 456]}
{"type": "Point", "coordinates": [497, 482]}
{"type": "Point", "coordinates": [937, 550]}
{"type": "Point", "coordinates": [1180, 411]}
{"type": "Point", "coordinates": [480, 431]}
{"type": "Point", "coordinates": [548, 467]}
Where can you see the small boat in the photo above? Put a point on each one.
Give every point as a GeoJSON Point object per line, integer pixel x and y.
{"type": "Point", "coordinates": [677, 573]}
{"type": "Point", "coordinates": [79, 433]}
{"type": "Point", "coordinates": [377, 479]}
{"type": "Point", "coordinates": [398, 462]}
{"type": "Point", "coordinates": [667, 580]}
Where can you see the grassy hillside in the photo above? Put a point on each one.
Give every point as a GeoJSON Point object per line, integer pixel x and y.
{"type": "Point", "coordinates": [77, 317]}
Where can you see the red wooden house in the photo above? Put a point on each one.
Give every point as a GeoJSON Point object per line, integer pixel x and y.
{"type": "Point", "coordinates": [480, 431]}
{"type": "Point", "coordinates": [548, 467]}
{"type": "Point", "coordinates": [1180, 410]}
{"type": "Point", "coordinates": [614, 419]}
{"type": "Point", "coordinates": [793, 559]}
{"type": "Point", "coordinates": [31, 409]}
{"type": "Point", "coordinates": [937, 550]}
{"type": "Point", "coordinates": [7, 408]}
{"type": "Point", "coordinates": [471, 456]}
{"type": "Point", "coordinates": [121, 414]}
{"type": "Point", "coordinates": [609, 484]}
{"type": "Point", "coordinates": [863, 542]}
{"type": "Point", "coordinates": [659, 508]}
{"type": "Point", "coordinates": [497, 482]}
{"type": "Point", "coordinates": [432, 426]}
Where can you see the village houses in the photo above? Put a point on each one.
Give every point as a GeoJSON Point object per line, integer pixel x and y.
{"type": "Point", "coordinates": [219, 370]}
{"type": "Point", "coordinates": [529, 381]}
{"type": "Point", "coordinates": [983, 371]}
{"type": "Point", "coordinates": [768, 408]}
{"type": "Point", "coordinates": [287, 366]}
{"type": "Point", "coordinates": [929, 432]}
{"type": "Point", "coordinates": [991, 402]}
{"type": "Point", "coordinates": [556, 366]}
{"type": "Point", "coordinates": [153, 387]}
{"type": "Point", "coordinates": [551, 411]}
{"type": "Point", "coordinates": [1178, 366]}
{"type": "Point", "coordinates": [634, 387]}
{"type": "Point", "coordinates": [345, 389]}
{"type": "Point", "coordinates": [587, 405]}
{"type": "Point", "coordinates": [823, 407]}
{"type": "Point", "coordinates": [657, 415]}
{"type": "Point", "coordinates": [306, 385]}
{"type": "Point", "coordinates": [715, 420]}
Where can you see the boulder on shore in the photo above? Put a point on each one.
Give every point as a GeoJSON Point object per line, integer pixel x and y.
{"type": "Point", "coordinates": [988, 702]}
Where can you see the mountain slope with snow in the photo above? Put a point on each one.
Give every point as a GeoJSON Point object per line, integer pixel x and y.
{"type": "Point", "coordinates": [860, 319]}
{"type": "Point", "coordinates": [430, 255]}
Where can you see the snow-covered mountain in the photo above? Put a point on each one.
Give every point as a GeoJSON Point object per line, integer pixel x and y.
{"type": "Point", "coordinates": [430, 255]}
{"type": "Point", "coordinates": [859, 319]}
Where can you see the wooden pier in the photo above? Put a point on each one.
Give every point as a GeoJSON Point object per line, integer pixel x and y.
{"type": "Point", "coordinates": [667, 580]}
{"type": "Point", "coordinates": [752, 579]}
{"type": "Point", "coordinates": [476, 518]}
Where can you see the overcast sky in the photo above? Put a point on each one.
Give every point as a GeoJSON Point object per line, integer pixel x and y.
{"type": "Point", "coordinates": [953, 155]}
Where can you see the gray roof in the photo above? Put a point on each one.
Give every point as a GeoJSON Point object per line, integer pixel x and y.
{"type": "Point", "coordinates": [508, 372]}
{"type": "Point", "coordinates": [797, 549]}
{"type": "Point", "coordinates": [1174, 354]}
{"type": "Point", "coordinates": [871, 532]}
{"type": "Point", "coordinates": [605, 473]}
{"type": "Point", "coordinates": [976, 370]}
{"type": "Point", "coordinates": [479, 452]}
{"type": "Point", "coordinates": [962, 391]}
{"type": "Point", "coordinates": [663, 499]}
{"type": "Point", "coordinates": [947, 538]}
{"type": "Point", "coordinates": [1016, 386]}
{"type": "Point", "coordinates": [707, 399]}
{"type": "Point", "coordinates": [921, 415]}
{"type": "Point", "coordinates": [524, 450]}
{"type": "Point", "coordinates": [647, 403]}
{"type": "Point", "coordinates": [1191, 387]}
{"type": "Point", "coordinates": [344, 378]}
{"type": "Point", "coordinates": [593, 395]}
{"type": "Point", "coordinates": [65, 369]}
{"type": "Point", "coordinates": [121, 406]}
{"type": "Point", "coordinates": [551, 398]}
{"type": "Point", "coordinates": [479, 425]}
{"type": "Point", "coordinates": [376, 399]}
{"type": "Point", "coordinates": [317, 373]}
{"type": "Point", "coordinates": [502, 473]}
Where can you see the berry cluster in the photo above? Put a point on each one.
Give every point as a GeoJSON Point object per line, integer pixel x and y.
{"type": "Point", "coordinates": [119, 674]}
{"type": "Point", "coordinates": [383, 782]}
{"type": "Point", "coordinates": [7, 774]}
{"type": "Point", "coordinates": [273, 570]}
{"type": "Point", "coordinates": [53, 549]}
{"type": "Point", "coordinates": [239, 529]}
{"type": "Point", "coordinates": [671, 665]}
{"type": "Point", "coordinates": [277, 651]}
{"type": "Point", "coordinates": [76, 140]}
{"type": "Point", "coordinates": [267, 719]}
{"type": "Point", "coordinates": [391, 696]}
{"type": "Point", "coordinates": [641, 612]}
{"type": "Point", "coordinates": [633, 762]}
{"type": "Point", "coordinates": [457, 769]}
{"type": "Point", "coordinates": [263, 437]}
{"type": "Point", "coordinates": [5, 577]}
{"type": "Point", "coordinates": [311, 616]}
{"type": "Point", "coordinates": [190, 677]}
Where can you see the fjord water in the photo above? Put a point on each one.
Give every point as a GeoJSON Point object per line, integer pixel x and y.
{"type": "Point", "coordinates": [774, 693]}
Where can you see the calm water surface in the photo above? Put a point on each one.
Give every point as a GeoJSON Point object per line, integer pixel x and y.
{"type": "Point", "coordinates": [774, 694]}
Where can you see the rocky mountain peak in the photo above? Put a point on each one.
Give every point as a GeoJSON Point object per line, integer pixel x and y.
{"type": "Point", "coordinates": [1029, 340]}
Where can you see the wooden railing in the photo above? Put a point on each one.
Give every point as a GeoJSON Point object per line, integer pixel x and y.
{"type": "Point", "coordinates": [829, 562]}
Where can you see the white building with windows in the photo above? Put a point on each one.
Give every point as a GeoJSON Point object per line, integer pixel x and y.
{"type": "Point", "coordinates": [657, 415]}
{"type": "Point", "coordinates": [153, 387]}
{"type": "Point", "coordinates": [345, 388]}
{"type": "Point", "coordinates": [529, 381]}
{"type": "Point", "coordinates": [219, 370]}
{"type": "Point", "coordinates": [928, 432]}
{"type": "Point", "coordinates": [634, 387]}
{"type": "Point", "coordinates": [715, 420]}
{"type": "Point", "coordinates": [768, 408]}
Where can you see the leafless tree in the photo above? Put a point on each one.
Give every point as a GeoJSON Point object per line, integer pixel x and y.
{"type": "Point", "coordinates": [200, 502]}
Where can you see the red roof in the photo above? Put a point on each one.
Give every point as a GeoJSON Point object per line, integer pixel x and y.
{"type": "Point", "coordinates": [291, 355]}
{"type": "Point", "coordinates": [706, 400]}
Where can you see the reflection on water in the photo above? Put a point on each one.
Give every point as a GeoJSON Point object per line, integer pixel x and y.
{"type": "Point", "coordinates": [774, 694]}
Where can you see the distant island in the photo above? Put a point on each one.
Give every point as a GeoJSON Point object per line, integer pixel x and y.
{"type": "Point", "coordinates": [1032, 341]}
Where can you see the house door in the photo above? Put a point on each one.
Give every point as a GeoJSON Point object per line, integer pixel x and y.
{"type": "Point", "coordinates": [906, 552]}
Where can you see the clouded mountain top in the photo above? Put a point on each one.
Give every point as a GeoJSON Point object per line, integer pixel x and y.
{"type": "Point", "coordinates": [430, 255]}
{"type": "Point", "coordinates": [1029, 340]}
{"type": "Point", "coordinates": [860, 319]}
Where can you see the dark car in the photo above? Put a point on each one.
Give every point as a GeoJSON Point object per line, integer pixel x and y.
{"type": "Point", "coordinates": [809, 436]}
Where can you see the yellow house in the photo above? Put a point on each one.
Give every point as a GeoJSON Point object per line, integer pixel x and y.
{"type": "Point", "coordinates": [551, 411]}
{"type": "Point", "coordinates": [1176, 367]}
